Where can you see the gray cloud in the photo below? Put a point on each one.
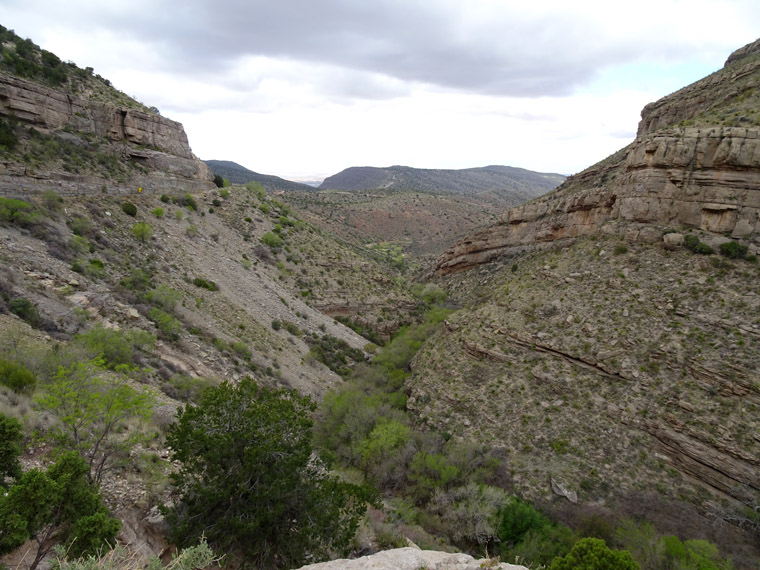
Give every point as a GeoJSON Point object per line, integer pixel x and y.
{"type": "Point", "coordinates": [444, 43]}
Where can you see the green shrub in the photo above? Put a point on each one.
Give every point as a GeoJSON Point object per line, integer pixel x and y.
{"type": "Point", "coordinates": [276, 325]}
{"type": "Point", "coordinates": [541, 546]}
{"type": "Point", "coordinates": [52, 201]}
{"type": "Point", "coordinates": [26, 310]}
{"type": "Point", "coordinates": [129, 209]}
{"type": "Point", "coordinates": [17, 212]}
{"type": "Point", "coordinates": [16, 377]}
{"type": "Point", "coordinates": [138, 280]}
{"type": "Point", "coordinates": [218, 180]}
{"type": "Point", "coordinates": [272, 240]}
{"type": "Point", "coordinates": [142, 231]}
{"type": "Point", "coordinates": [186, 388]}
{"type": "Point", "coordinates": [164, 297]}
{"type": "Point", "coordinates": [190, 203]}
{"type": "Point", "coordinates": [692, 243]}
{"type": "Point", "coordinates": [11, 439]}
{"type": "Point", "coordinates": [164, 198]}
{"type": "Point", "coordinates": [82, 226]}
{"type": "Point", "coordinates": [733, 249]}
{"type": "Point", "coordinates": [216, 202]}
{"type": "Point", "coordinates": [242, 350]}
{"type": "Point", "coordinates": [620, 249]}
{"type": "Point", "coordinates": [60, 505]}
{"type": "Point", "coordinates": [336, 354]}
{"type": "Point", "coordinates": [8, 138]}
{"type": "Point", "coordinates": [593, 554]}
{"type": "Point", "coordinates": [166, 324]}
{"type": "Point", "coordinates": [115, 347]}
{"type": "Point", "coordinates": [158, 212]}
{"type": "Point", "coordinates": [224, 193]}
{"type": "Point", "coordinates": [292, 328]}
{"type": "Point", "coordinates": [205, 284]}
{"type": "Point", "coordinates": [516, 519]}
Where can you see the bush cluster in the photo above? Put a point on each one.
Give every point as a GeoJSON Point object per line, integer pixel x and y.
{"type": "Point", "coordinates": [205, 284]}
{"type": "Point", "coordinates": [129, 209]}
{"type": "Point", "coordinates": [693, 244]}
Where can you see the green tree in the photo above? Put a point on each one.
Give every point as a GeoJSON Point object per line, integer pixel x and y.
{"type": "Point", "coordinates": [516, 519]}
{"type": "Point", "coordinates": [249, 482]}
{"type": "Point", "coordinates": [593, 554]}
{"type": "Point", "coordinates": [10, 448]}
{"type": "Point", "coordinates": [93, 413]}
{"type": "Point", "coordinates": [218, 180]}
{"type": "Point", "coordinates": [57, 506]}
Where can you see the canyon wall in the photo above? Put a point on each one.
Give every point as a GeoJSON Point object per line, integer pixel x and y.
{"type": "Point", "coordinates": [157, 146]}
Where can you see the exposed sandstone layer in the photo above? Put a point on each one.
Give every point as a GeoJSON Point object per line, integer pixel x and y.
{"type": "Point", "coordinates": [701, 178]}
{"type": "Point", "coordinates": [157, 144]}
{"type": "Point", "coordinates": [673, 174]}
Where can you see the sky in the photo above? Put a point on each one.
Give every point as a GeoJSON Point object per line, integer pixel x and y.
{"type": "Point", "coordinates": [305, 88]}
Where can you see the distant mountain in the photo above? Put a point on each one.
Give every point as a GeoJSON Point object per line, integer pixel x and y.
{"type": "Point", "coordinates": [499, 180]}
{"type": "Point", "coordinates": [237, 174]}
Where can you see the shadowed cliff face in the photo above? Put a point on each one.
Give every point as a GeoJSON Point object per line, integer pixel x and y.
{"type": "Point", "coordinates": [154, 147]}
{"type": "Point", "coordinates": [695, 163]}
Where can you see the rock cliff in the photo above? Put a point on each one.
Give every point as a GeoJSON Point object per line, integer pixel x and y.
{"type": "Point", "coordinates": [694, 163]}
{"type": "Point", "coordinates": [152, 150]}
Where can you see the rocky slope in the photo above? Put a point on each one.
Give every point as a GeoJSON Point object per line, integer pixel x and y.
{"type": "Point", "coordinates": [619, 367]}
{"type": "Point", "coordinates": [694, 163]}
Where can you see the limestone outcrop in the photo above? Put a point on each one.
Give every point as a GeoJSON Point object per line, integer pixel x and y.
{"type": "Point", "coordinates": [157, 147]}
{"type": "Point", "coordinates": [412, 559]}
{"type": "Point", "coordinates": [676, 173]}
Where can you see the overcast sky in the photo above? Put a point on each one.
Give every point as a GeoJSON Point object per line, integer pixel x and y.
{"type": "Point", "coordinates": [306, 88]}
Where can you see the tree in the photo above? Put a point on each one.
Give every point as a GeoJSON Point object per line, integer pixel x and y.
{"type": "Point", "coordinates": [249, 482]}
{"type": "Point", "coordinates": [516, 519]}
{"type": "Point", "coordinates": [57, 506]}
{"type": "Point", "coordinates": [593, 554]}
{"type": "Point", "coordinates": [93, 412]}
{"type": "Point", "coordinates": [218, 180]}
{"type": "Point", "coordinates": [10, 448]}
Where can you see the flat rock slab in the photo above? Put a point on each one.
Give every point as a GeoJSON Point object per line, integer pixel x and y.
{"type": "Point", "coordinates": [411, 559]}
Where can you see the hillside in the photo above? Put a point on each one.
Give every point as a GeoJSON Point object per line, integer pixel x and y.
{"type": "Point", "coordinates": [238, 174]}
{"type": "Point", "coordinates": [609, 336]}
{"type": "Point", "coordinates": [418, 226]}
{"type": "Point", "coordinates": [508, 183]}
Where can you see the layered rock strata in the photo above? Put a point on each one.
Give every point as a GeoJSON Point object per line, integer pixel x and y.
{"type": "Point", "coordinates": [703, 177]}
{"type": "Point", "coordinates": [157, 144]}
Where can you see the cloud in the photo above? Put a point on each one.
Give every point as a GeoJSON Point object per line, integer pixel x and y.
{"type": "Point", "coordinates": [304, 86]}
{"type": "Point", "coordinates": [503, 48]}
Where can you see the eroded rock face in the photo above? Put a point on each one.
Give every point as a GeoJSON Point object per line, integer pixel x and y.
{"type": "Point", "coordinates": [702, 178]}
{"type": "Point", "coordinates": [412, 559]}
{"type": "Point", "coordinates": [694, 163]}
{"type": "Point", "coordinates": [159, 145]}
